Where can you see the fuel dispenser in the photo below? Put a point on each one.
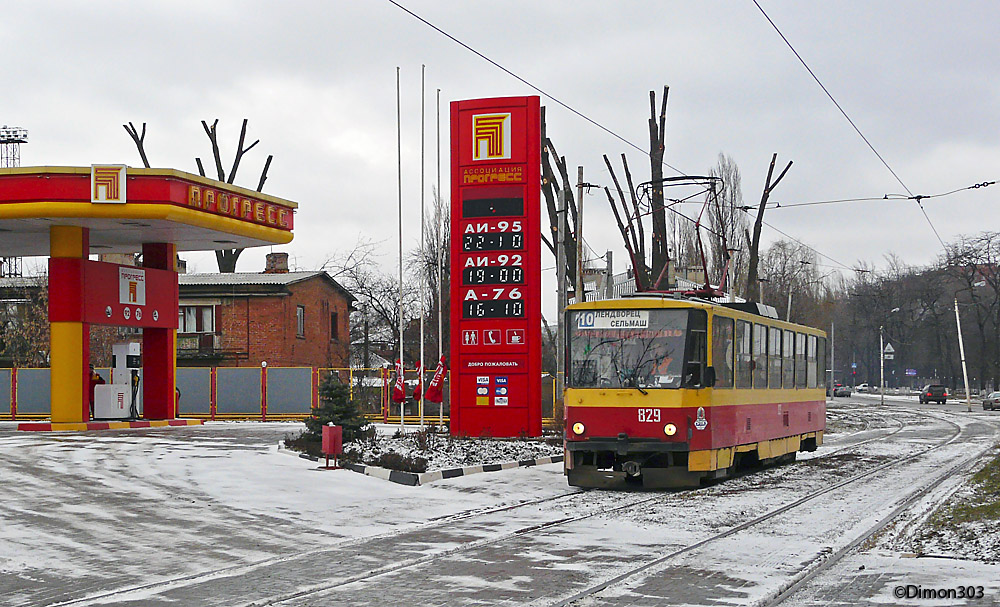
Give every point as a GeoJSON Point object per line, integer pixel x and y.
{"type": "Point", "coordinates": [122, 397]}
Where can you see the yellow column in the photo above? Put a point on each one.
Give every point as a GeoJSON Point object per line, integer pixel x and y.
{"type": "Point", "coordinates": [70, 341]}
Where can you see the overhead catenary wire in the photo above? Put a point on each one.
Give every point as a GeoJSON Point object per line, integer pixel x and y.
{"type": "Point", "coordinates": [525, 82]}
{"type": "Point", "coordinates": [913, 197]}
{"type": "Point", "coordinates": [607, 130]}
{"type": "Point", "coordinates": [787, 205]}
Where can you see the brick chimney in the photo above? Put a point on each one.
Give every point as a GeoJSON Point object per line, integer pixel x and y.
{"type": "Point", "coordinates": [277, 263]}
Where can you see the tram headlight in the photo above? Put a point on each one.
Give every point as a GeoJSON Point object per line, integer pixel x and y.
{"type": "Point", "coordinates": [578, 428]}
{"type": "Point", "coordinates": [670, 429]}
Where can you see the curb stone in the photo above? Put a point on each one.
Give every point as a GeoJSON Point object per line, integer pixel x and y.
{"type": "Point", "coordinates": [414, 479]}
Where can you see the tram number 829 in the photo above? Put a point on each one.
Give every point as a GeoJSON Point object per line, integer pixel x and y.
{"type": "Point", "coordinates": [649, 415]}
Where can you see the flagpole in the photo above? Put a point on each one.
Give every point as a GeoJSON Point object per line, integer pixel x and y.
{"type": "Point", "coordinates": [399, 187]}
{"type": "Point", "coordinates": [440, 247]}
{"type": "Point", "coordinates": [423, 278]}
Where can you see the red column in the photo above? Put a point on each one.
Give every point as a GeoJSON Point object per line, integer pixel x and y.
{"type": "Point", "coordinates": [159, 346]}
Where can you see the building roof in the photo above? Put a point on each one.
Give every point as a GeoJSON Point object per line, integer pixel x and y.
{"type": "Point", "coordinates": [246, 281]}
{"type": "Point", "coordinates": [23, 282]}
{"type": "Point", "coordinates": [246, 278]}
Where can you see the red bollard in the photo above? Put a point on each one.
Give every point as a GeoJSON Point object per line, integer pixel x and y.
{"type": "Point", "coordinates": [333, 444]}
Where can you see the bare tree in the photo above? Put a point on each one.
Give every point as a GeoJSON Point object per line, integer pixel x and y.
{"type": "Point", "coordinates": [729, 225]}
{"type": "Point", "coordinates": [24, 326]}
{"type": "Point", "coordinates": [140, 140]}
{"type": "Point", "coordinates": [553, 186]}
{"type": "Point", "coordinates": [225, 258]}
{"type": "Point", "coordinates": [425, 263]}
{"type": "Point", "coordinates": [657, 139]}
{"type": "Point", "coordinates": [755, 241]}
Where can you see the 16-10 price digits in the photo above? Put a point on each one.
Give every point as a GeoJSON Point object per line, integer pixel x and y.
{"type": "Point", "coordinates": [504, 308]}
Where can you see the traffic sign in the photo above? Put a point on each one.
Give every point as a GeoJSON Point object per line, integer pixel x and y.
{"type": "Point", "coordinates": [889, 356]}
{"type": "Point", "coordinates": [889, 349]}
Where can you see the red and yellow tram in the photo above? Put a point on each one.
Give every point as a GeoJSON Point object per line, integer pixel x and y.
{"type": "Point", "coordinates": [667, 391]}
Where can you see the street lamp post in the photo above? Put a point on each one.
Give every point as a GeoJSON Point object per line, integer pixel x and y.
{"type": "Point", "coordinates": [881, 359]}
{"type": "Point", "coordinates": [881, 365]}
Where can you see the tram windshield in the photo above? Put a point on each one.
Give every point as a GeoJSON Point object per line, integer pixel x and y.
{"type": "Point", "coordinates": [627, 348]}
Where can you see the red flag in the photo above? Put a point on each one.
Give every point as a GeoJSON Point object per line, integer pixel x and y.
{"type": "Point", "coordinates": [435, 389]}
{"type": "Point", "coordinates": [398, 388]}
{"type": "Point", "coordinates": [420, 382]}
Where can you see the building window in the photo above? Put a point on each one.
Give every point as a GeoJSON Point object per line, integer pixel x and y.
{"type": "Point", "coordinates": [300, 321]}
{"type": "Point", "coordinates": [196, 319]}
{"type": "Point", "coordinates": [334, 334]}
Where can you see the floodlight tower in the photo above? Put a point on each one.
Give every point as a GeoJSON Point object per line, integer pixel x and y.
{"type": "Point", "coordinates": [11, 138]}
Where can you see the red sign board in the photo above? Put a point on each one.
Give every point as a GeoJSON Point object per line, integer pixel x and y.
{"type": "Point", "coordinates": [101, 293]}
{"type": "Point", "coordinates": [496, 313]}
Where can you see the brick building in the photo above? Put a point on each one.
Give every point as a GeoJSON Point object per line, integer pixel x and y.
{"type": "Point", "coordinates": [287, 319]}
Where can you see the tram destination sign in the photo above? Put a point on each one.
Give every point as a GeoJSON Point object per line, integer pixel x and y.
{"type": "Point", "coordinates": [496, 267]}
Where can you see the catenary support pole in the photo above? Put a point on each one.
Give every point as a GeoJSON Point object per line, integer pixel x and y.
{"type": "Point", "coordinates": [580, 295]}
{"type": "Point", "coordinates": [961, 350]}
{"type": "Point", "coordinates": [561, 296]}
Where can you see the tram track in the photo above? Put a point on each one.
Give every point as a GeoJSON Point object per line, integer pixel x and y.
{"type": "Point", "coordinates": [803, 577]}
{"type": "Point", "coordinates": [364, 577]}
{"type": "Point", "coordinates": [246, 569]}
{"type": "Point", "coordinates": [808, 574]}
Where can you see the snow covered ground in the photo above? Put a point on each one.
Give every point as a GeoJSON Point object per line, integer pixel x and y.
{"type": "Point", "coordinates": [214, 515]}
{"type": "Point", "coordinates": [442, 451]}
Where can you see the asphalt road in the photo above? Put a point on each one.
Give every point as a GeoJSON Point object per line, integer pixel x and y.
{"type": "Point", "coordinates": [214, 515]}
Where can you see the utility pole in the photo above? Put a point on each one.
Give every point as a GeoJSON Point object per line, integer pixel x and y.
{"type": "Point", "coordinates": [961, 349]}
{"type": "Point", "coordinates": [580, 297]}
{"type": "Point", "coordinates": [561, 295]}
{"type": "Point", "coordinates": [833, 366]}
{"type": "Point", "coordinates": [609, 277]}
{"type": "Point", "coordinates": [881, 365]}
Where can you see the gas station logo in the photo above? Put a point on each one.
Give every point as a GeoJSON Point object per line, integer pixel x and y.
{"type": "Point", "coordinates": [131, 286]}
{"type": "Point", "coordinates": [107, 183]}
{"type": "Point", "coordinates": [491, 136]}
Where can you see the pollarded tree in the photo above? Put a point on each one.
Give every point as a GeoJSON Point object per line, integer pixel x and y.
{"type": "Point", "coordinates": [225, 258]}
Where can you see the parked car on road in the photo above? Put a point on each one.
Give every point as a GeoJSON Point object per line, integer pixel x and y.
{"type": "Point", "coordinates": [992, 402]}
{"type": "Point", "coordinates": [934, 392]}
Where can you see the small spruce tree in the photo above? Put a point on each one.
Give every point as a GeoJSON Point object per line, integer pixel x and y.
{"type": "Point", "coordinates": [336, 406]}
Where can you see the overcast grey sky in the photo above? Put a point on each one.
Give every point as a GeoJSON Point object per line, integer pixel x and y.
{"type": "Point", "coordinates": [317, 81]}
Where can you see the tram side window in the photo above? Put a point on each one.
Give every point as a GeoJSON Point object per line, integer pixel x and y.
{"type": "Point", "coordinates": [722, 351]}
{"type": "Point", "coordinates": [743, 354]}
{"type": "Point", "coordinates": [811, 359]}
{"type": "Point", "coordinates": [759, 356]}
{"type": "Point", "coordinates": [800, 360]}
{"type": "Point", "coordinates": [788, 360]}
{"type": "Point", "coordinates": [774, 358]}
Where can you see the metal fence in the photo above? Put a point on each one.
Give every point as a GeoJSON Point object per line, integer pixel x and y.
{"type": "Point", "coordinates": [271, 393]}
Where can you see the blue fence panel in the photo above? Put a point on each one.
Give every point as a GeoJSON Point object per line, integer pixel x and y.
{"type": "Point", "coordinates": [195, 385]}
{"type": "Point", "coordinates": [33, 392]}
{"type": "Point", "coordinates": [237, 390]}
{"type": "Point", "coordinates": [5, 391]}
{"type": "Point", "coordinates": [289, 390]}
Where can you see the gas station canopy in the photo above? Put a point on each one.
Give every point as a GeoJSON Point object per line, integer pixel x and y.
{"type": "Point", "coordinates": [125, 207]}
